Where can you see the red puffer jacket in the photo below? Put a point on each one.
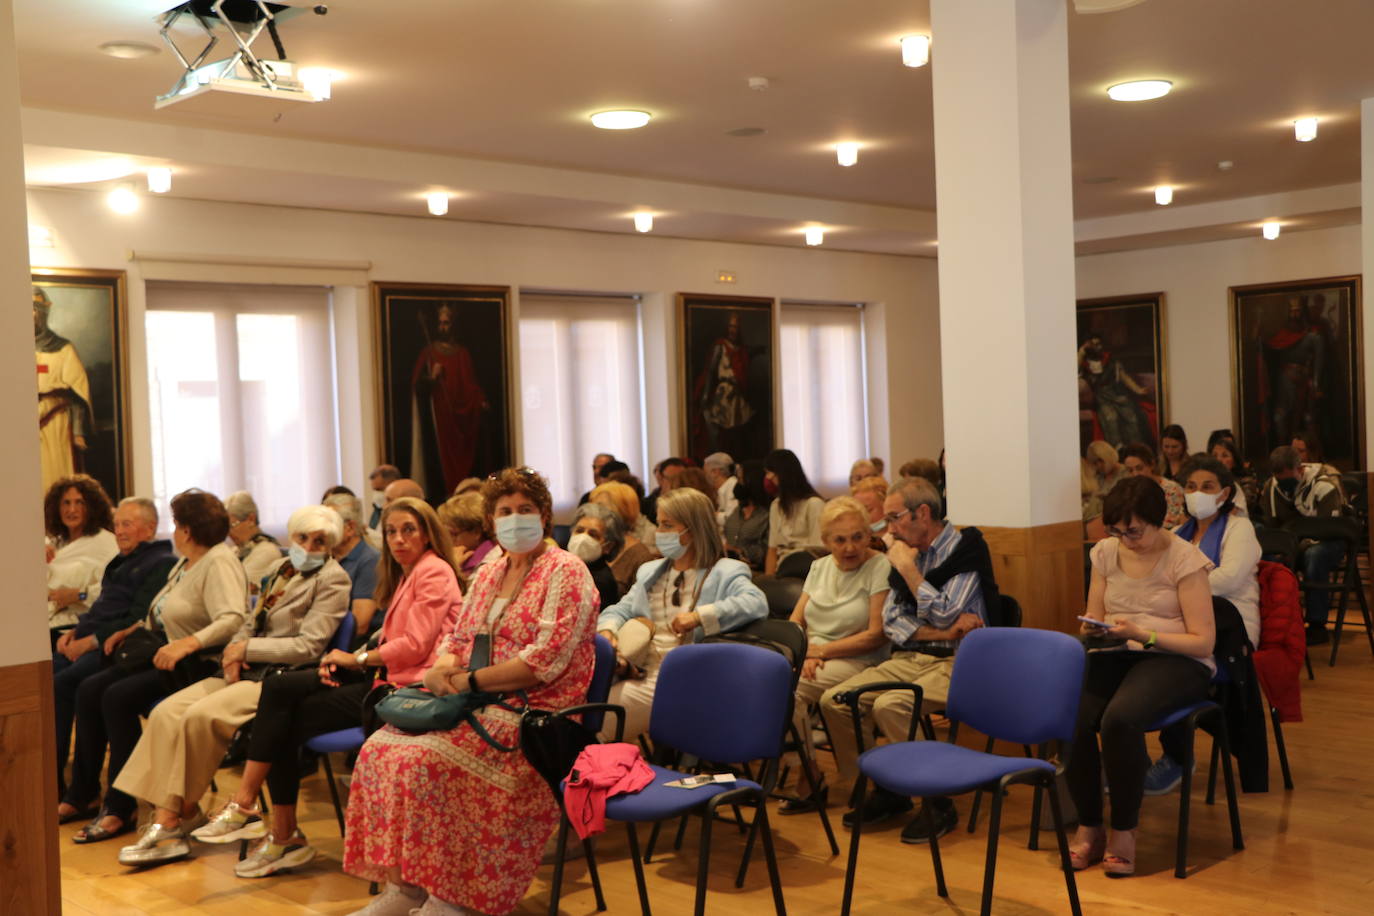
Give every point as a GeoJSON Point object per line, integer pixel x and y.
{"type": "Point", "coordinates": [1283, 642]}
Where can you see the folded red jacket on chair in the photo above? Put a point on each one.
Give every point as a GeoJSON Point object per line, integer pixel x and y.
{"type": "Point", "coordinates": [600, 772]}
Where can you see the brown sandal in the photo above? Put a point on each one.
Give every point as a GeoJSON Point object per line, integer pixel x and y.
{"type": "Point", "coordinates": [1086, 855]}
{"type": "Point", "coordinates": [1117, 867]}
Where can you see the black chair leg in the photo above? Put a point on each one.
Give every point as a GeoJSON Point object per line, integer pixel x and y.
{"type": "Point", "coordinates": [978, 796]}
{"type": "Point", "coordinates": [1341, 606]}
{"type": "Point", "coordinates": [1212, 774]}
{"type": "Point", "coordinates": [748, 848]}
{"type": "Point", "coordinates": [1070, 882]}
{"type": "Point", "coordinates": [556, 888]}
{"type": "Point", "coordinates": [935, 861]}
{"type": "Point", "coordinates": [1232, 798]}
{"type": "Point", "coordinates": [771, 857]}
{"type": "Point", "coordinates": [1307, 659]}
{"type": "Point", "coordinates": [681, 832]}
{"type": "Point", "coordinates": [1282, 749]}
{"type": "Point", "coordinates": [1184, 800]}
{"type": "Point", "coordinates": [653, 840]}
{"type": "Point", "coordinates": [860, 785]}
{"type": "Point", "coordinates": [639, 868]}
{"type": "Point", "coordinates": [990, 868]}
{"type": "Point", "coordinates": [704, 860]}
{"type": "Point", "coordinates": [333, 792]}
{"type": "Point", "coordinates": [590, 852]}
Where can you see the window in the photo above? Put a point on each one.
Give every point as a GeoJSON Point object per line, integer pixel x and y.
{"type": "Point", "coordinates": [241, 393]}
{"type": "Point", "coordinates": [824, 390]}
{"type": "Point", "coordinates": [580, 387]}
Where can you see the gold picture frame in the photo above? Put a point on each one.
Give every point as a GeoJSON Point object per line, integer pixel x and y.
{"type": "Point", "coordinates": [725, 413]}
{"type": "Point", "coordinates": [1123, 377]}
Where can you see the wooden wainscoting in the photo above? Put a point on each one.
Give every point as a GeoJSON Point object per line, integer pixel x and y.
{"type": "Point", "coordinates": [30, 883]}
{"type": "Point", "coordinates": [1041, 567]}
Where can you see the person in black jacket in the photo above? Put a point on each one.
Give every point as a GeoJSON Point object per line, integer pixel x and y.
{"type": "Point", "coordinates": [130, 582]}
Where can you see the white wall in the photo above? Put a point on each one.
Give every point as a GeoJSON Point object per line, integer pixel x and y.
{"type": "Point", "coordinates": [1195, 279]}
{"type": "Point", "coordinates": [901, 293]}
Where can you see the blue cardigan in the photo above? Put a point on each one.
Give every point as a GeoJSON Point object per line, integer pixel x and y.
{"type": "Point", "coordinates": [729, 598]}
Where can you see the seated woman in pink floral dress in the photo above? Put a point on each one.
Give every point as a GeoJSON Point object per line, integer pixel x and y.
{"type": "Point", "coordinates": [449, 822]}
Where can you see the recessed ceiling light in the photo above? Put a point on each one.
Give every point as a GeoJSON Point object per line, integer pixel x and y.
{"type": "Point", "coordinates": [847, 153]}
{"type": "Point", "coordinates": [815, 235]}
{"type": "Point", "coordinates": [122, 199]}
{"type": "Point", "coordinates": [1164, 195]}
{"type": "Point", "coordinates": [644, 221]}
{"type": "Point", "coordinates": [437, 201]}
{"type": "Point", "coordinates": [160, 179]}
{"type": "Point", "coordinates": [1140, 90]}
{"type": "Point", "coordinates": [915, 50]}
{"type": "Point", "coordinates": [1270, 228]}
{"type": "Point", "coordinates": [620, 120]}
{"type": "Point", "coordinates": [129, 50]}
{"type": "Point", "coordinates": [1305, 129]}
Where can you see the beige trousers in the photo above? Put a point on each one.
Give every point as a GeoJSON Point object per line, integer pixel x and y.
{"type": "Point", "coordinates": [184, 740]}
{"type": "Point", "coordinates": [834, 671]}
{"type": "Point", "coordinates": [890, 709]}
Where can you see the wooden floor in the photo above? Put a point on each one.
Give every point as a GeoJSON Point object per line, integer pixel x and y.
{"type": "Point", "coordinates": [1308, 851]}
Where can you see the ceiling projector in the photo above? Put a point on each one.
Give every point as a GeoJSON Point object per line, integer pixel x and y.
{"type": "Point", "coordinates": [243, 72]}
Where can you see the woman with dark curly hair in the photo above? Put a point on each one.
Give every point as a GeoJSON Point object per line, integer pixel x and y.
{"type": "Point", "coordinates": [448, 821]}
{"type": "Point", "coordinates": [79, 522]}
{"type": "Point", "coordinates": [196, 613]}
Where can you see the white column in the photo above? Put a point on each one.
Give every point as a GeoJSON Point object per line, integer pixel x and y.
{"type": "Point", "coordinates": [1367, 267]}
{"type": "Point", "coordinates": [1005, 213]}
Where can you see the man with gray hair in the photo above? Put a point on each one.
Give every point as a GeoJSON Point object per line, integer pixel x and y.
{"type": "Point", "coordinates": [942, 588]}
{"type": "Point", "coordinates": [130, 582]}
{"type": "Point", "coordinates": [358, 559]}
{"type": "Point", "coordinates": [720, 470]}
{"type": "Point", "coordinates": [258, 550]}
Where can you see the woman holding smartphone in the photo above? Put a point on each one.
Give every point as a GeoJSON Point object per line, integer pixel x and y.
{"type": "Point", "coordinates": [1151, 587]}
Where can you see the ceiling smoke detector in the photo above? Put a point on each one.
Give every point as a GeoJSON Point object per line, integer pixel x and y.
{"type": "Point", "coordinates": [243, 72]}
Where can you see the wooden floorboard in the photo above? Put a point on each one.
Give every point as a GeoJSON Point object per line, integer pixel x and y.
{"type": "Point", "coordinates": [1308, 851]}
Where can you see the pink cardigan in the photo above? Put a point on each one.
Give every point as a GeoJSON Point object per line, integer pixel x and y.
{"type": "Point", "coordinates": [420, 614]}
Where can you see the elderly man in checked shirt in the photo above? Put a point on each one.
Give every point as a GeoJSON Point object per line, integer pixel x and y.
{"type": "Point", "coordinates": [942, 585]}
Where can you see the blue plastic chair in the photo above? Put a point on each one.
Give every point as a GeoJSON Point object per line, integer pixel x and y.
{"type": "Point", "coordinates": [1019, 686]}
{"type": "Point", "coordinates": [722, 702]}
{"type": "Point", "coordinates": [345, 739]}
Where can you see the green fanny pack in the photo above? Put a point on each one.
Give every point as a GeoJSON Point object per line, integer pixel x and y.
{"type": "Point", "coordinates": [414, 709]}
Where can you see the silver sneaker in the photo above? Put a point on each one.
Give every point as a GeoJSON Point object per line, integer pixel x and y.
{"type": "Point", "coordinates": [392, 901]}
{"type": "Point", "coordinates": [158, 844]}
{"type": "Point", "coordinates": [270, 857]}
{"type": "Point", "coordinates": [231, 825]}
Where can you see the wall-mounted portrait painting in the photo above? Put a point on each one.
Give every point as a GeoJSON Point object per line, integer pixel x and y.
{"type": "Point", "coordinates": [81, 351]}
{"type": "Point", "coordinates": [444, 381]}
{"type": "Point", "coordinates": [1297, 369]}
{"type": "Point", "coordinates": [1121, 390]}
{"type": "Point", "coordinates": [727, 375]}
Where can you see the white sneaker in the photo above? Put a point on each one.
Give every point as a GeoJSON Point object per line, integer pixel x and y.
{"type": "Point", "coordinates": [270, 857]}
{"type": "Point", "coordinates": [394, 901]}
{"type": "Point", "coordinates": [230, 825]}
{"type": "Point", "coordinates": [158, 844]}
{"type": "Point", "coordinates": [436, 907]}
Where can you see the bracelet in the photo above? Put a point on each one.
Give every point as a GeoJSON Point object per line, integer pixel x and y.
{"type": "Point", "coordinates": [1154, 638]}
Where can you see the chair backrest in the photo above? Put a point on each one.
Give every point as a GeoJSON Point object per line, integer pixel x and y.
{"type": "Point", "coordinates": [782, 594]}
{"type": "Point", "coordinates": [723, 702]}
{"type": "Point", "coordinates": [1020, 685]}
{"type": "Point", "coordinates": [600, 687]}
{"type": "Point", "coordinates": [1327, 528]}
{"type": "Point", "coordinates": [343, 636]}
{"type": "Point", "coordinates": [1008, 615]}
{"type": "Point", "coordinates": [782, 636]}
{"type": "Point", "coordinates": [1278, 545]}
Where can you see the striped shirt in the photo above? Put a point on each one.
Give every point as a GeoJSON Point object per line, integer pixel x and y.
{"type": "Point", "coordinates": [937, 608]}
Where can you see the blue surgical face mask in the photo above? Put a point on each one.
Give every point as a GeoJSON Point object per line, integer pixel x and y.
{"type": "Point", "coordinates": [669, 543]}
{"type": "Point", "coordinates": [879, 526]}
{"type": "Point", "coordinates": [519, 533]}
{"type": "Point", "coordinates": [303, 561]}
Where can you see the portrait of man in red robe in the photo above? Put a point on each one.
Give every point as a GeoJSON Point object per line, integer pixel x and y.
{"type": "Point", "coordinates": [447, 404]}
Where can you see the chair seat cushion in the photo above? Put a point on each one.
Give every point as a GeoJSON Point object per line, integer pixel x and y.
{"type": "Point", "coordinates": [1178, 715]}
{"type": "Point", "coordinates": [922, 768]}
{"type": "Point", "coordinates": [655, 801]}
{"type": "Point", "coordinates": [345, 739]}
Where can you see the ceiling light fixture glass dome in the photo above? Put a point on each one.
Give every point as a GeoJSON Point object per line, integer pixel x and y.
{"type": "Point", "coordinates": [1139, 90]}
{"type": "Point", "coordinates": [621, 119]}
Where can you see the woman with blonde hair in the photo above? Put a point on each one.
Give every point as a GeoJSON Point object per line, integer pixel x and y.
{"type": "Point", "coordinates": [864, 468]}
{"type": "Point", "coordinates": [694, 591]}
{"type": "Point", "coordinates": [621, 499]}
{"type": "Point", "coordinates": [418, 585]}
{"type": "Point", "coordinates": [467, 525]}
{"type": "Point", "coordinates": [841, 610]}
{"type": "Point", "coordinates": [1104, 462]}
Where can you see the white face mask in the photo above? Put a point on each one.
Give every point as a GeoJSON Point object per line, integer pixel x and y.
{"type": "Point", "coordinates": [1202, 505]}
{"type": "Point", "coordinates": [585, 546]}
{"type": "Point", "coordinates": [519, 533]}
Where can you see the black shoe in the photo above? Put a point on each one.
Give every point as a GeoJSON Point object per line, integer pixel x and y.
{"type": "Point", "coordinates": [880, 806]}
{"type": "Point", "coordinates": [943, 816]}
{"type": "Point", "coordinates": [1317, 635]}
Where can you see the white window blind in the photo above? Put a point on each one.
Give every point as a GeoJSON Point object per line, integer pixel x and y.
{"type": "Point", "coordinates": [581, 388]}
{"type": "Point", "coordinates": [241, 392]}
{"type": "Point", "coordinates": [824, 391]}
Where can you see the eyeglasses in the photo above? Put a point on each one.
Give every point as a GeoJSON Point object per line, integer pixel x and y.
{"type": "Point", "coordinates": [895, 517]}
{"type": "Point", "coordinates": [1129, 534]}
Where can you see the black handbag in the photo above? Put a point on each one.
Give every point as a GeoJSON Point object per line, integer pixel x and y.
{"type": "Point", "coordinates": [136, 652]}
{"type": "Point", "coordinates": [551, 744]}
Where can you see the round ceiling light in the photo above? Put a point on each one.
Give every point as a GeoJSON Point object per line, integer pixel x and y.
{"type": "Point", "coordinates": [1140, 90]}
{"type": "Point", "coordinates": [620, 120]}
{"type": "Point", "coordinates": [129, 50]}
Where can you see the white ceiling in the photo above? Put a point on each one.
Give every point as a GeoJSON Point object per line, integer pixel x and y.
{"type": "Point", "coordinates": [478, 83]}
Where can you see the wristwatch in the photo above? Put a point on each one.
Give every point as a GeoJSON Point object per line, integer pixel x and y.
{"type": "Point", "coordinates": [81, 596]}
{"type": "Point", "coordinates": [361, 658]}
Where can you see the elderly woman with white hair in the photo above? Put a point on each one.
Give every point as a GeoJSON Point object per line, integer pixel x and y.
{"type": "Point", "coordinates": [694, 591]}
{"type": "Point", "coordinates": [304, 598]}
{"type": "Point", "coordinates": [598, 534]}
{"type": "Point", "coordinates": [258, 550]}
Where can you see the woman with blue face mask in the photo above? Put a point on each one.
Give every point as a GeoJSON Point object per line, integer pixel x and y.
{"type": "Point", "coordinates": [694, 591]}
{"type": "Point", "coordinates": [304, 598]}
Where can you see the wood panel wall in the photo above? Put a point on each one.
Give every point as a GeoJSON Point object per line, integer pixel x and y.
{"type": "Point", "coordinates": [1042, 568]}
{"type": "Point", "coordinates": [30, 884]}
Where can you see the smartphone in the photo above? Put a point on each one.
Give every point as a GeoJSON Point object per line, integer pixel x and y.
{"type": "Point", "coordinates": [1095, 622]}
{"type": "Point", "coordinates": [704, 779]}
{"type": "Point", "coordinates": [481, 652]}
